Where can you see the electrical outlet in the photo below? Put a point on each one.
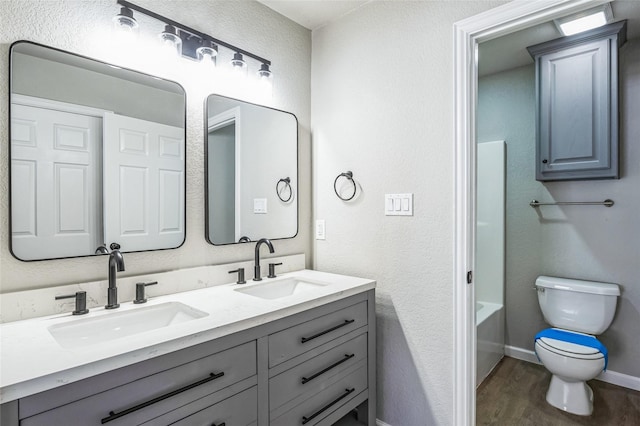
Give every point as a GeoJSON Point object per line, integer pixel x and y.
{"type": "Point", "coordinates": [320, 229]}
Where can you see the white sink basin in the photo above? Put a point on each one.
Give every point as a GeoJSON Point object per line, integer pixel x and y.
{"type": "Point", "coordinates": [117, 324]}
{"type": "Point", "coordinates": [281, 288]}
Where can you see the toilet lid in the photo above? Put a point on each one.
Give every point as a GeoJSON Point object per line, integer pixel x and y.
{"type": "Point", "coordinates": [572, 348]}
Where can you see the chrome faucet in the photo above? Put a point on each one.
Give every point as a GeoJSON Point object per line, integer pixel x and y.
{"type": "Point", "coordinates": [116, 263]}
{"type": "Point", "coordinates": [256, 268]}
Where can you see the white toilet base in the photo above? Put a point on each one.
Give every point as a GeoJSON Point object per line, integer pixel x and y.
{"type": "Point", "coordinates": [574, 397]}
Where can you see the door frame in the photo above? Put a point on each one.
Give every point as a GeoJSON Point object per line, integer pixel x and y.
{"type": "Point", "coordinates": [232, 116]}
{"type": "Point", "coordinates": [468, 33]}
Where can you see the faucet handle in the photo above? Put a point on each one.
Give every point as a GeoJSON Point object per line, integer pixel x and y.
{"type": "Point", "coordinates": [272, 269]}
{"type": "Point", "coordinates": [240, 272]}
{"type": "Point", "coordinates": [81, 302]}
{"type": "Point", "coordinates": [114, 246]}
{"type": "Point", "coordinates": [140, 292]}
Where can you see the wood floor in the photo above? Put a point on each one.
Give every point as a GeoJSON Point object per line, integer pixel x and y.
{"type": "Point", "coordinates": [514, 395]}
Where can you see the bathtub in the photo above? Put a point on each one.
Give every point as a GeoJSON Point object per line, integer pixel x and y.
{"type": "Point", "coordinates": [490, 338]}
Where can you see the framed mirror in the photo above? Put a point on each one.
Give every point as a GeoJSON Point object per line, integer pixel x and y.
{"type": "Point", "coordinates": [97, 156]}
{"type": "Point", "coordinates": [251, 156]}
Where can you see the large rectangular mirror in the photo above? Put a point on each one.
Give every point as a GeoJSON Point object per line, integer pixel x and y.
{"type": "Point", "coordinates": [97, 156]}
{"type": "Point", "coordinates": [251, 156]}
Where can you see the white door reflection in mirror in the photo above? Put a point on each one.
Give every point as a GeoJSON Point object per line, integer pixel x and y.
{"type": "Point", "coordinates": [143, 183]}
{"type": "Point", "coordinates": [55, 176]}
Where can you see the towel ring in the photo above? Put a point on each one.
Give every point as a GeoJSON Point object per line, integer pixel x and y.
{"type": "Point", "coordinates": [348, 175]}
{"type": "Point", "coordinates": [287, 184]}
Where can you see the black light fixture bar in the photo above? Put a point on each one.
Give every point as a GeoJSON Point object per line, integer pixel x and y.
{"type": "Point", "coordinates": [184, 28]}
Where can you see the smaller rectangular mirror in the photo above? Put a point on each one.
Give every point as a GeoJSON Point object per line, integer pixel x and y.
{"type": "Point", "coordinates": [251, 155]}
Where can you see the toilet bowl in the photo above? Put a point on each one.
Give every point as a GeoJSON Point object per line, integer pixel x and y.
{"type": "Point", "coordinates": [578, 310]}
{"type": "Point", "coordinates": [571, 365]}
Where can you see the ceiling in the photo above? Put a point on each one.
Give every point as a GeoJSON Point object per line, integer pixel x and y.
{"type": "Point", "coordinates": [313, 14]}
{"type": "Point", "coordinates": [510, 51]}
{"type": "Point", "coordinates": [497, 55]}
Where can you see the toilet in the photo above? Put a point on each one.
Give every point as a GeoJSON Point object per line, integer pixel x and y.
{"type": "Point", "coordinates": [578, 311]}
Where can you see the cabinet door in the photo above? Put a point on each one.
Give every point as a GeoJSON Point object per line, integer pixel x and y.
{"type": "Point", "coordinates": [574, 116]}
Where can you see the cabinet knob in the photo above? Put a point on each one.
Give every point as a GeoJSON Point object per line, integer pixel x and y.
{"type": "Point", "coordinates": [545, 161]}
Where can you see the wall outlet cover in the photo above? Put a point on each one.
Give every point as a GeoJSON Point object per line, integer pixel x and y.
{"type": "Point", "coordinates": [320, 229]}
{"type": "Point", "coordinates": [260, 206]}
{"type": "Point", "coordinates": [398, 204]}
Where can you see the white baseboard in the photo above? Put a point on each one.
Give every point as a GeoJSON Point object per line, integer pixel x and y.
{"type": "Point", "coordinates": [521, 354]}
{"type": "Point", "coordinates": [381, 423]}
{"type": "Point", "coordinates": [618, 379]}
{"type": "Point", "coordinates": [624, 380]}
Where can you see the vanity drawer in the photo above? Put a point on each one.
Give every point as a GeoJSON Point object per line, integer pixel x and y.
{"type": "Point", "coordinates": [239, 410]}
{"type": "Point", "coordinates": [296, 340]}
{"type": "Point", "coordinates": [314, 409]}
{"type": "Point", "coordinates": [157, 394]}
{"type": "Point", "coordinates": [311, 376]}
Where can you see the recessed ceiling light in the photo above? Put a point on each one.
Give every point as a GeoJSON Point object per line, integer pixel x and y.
{"type": "Point", "coordinates": [586, 20]}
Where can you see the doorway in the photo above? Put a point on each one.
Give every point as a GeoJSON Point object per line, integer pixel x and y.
{"type": "Point", "coordinates": [468, 34]}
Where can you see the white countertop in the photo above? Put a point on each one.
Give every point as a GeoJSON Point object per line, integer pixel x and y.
{"type": "Point", "coordinates": [32, 361]}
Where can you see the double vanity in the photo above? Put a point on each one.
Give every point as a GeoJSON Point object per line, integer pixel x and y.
{"type": "Point", "coordinates": [295, 349]}
{"type": "Point", "coordinates": [110, 144]}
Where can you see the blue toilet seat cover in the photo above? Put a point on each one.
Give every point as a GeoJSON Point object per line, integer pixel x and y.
{"type": "Point", "coordinates": [578, 339]}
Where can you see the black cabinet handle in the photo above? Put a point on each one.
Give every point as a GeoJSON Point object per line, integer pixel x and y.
{"type": "Point", "coordinates": [113, 415]}
{"type": "Point", "coordinates": [319, 373]}
{"type": "Point", "coordinates": [221, 424]}
{"type": "Point", "coordinates": [346, 322]}
{"type": "Point", "coordinates": [306, 420]}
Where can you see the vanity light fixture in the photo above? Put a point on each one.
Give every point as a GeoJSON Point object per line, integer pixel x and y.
{"type": "Point", "coordinates": [585, 20]}
{"type": "Point", "coordinates": [190, 43]}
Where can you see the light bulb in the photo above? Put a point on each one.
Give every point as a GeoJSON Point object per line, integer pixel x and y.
{"type": "Point", "coordinates": [171, 42]}
{"type": "Point", "coordinates": [124, 21]}
{"type": "Point", "coordinates": [239, 65]}
{"type": "Point", "coordinates": [207, 54]}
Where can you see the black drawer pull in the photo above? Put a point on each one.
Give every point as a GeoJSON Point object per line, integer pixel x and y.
{"type": "Point", "coordinates": [346, 322]}
{"type": "Point", "coordinates": [319, 373]}
{"type": "Point", "coordinates": [221, 424]}
{"type": "Point", "coordinates": [113, 415]}
{"type": "Point", "coordinates": [306, 420]}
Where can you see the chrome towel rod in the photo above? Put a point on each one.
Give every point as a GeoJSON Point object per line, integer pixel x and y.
{"type": "Point", "coordinates": [606, 203]}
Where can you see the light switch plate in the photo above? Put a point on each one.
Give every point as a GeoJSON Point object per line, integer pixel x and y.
{"type": "Point", "coordinates": [398, 204]}
{"type": "Point", "coordinates": [260, 206]}
{"type": "Point", "coordinates": [320, 229]}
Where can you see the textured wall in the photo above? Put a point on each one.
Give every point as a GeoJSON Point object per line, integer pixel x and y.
{"type": "Point", "coordinates": [84, 27]}
{"type": "Point", "coordinates": [382, 90]}
{"type": "Point", "coordinates": [592, 243]}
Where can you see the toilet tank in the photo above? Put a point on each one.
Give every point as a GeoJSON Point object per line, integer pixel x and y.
{"type": "Point", "coordinates": [577, 305]}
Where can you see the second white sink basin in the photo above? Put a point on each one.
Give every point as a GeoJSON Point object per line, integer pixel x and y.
{"type": "Point", "coordinates": [281, 288]}
{"type": "Point", "coordinates": [117, 324]}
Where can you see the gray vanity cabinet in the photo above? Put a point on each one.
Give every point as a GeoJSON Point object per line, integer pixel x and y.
{"type": "Point", "coordinates": [310, 368]}
{"type": "Point", "coordinates": [577, 105]}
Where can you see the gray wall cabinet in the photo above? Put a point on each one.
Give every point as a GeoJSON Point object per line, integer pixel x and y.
{"type": "Point", "coordinates": [577, 105]}
{"type": "Point", "coordinates": [311, 368]}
